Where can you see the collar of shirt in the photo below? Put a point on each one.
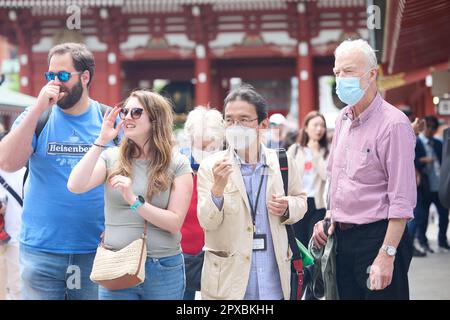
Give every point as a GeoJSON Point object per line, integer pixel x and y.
{"type": "Point", "coordinates": [261, 162]}
{"type": "Point", "coordinates": [424, 139]}
{"type": "Point", "coordinates": [366, 114]}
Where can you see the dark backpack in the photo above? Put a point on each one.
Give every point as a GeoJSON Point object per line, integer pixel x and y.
{"type": "Point", "coordinates": [297, 260]}
{"type": "Point", "coordinates": [444, 184]}
{"type": "Point", "coordinates": [42, 121]}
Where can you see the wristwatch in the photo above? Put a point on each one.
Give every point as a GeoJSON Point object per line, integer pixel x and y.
{"type": "Point", "coordinates": [139, 202]}
{"type": "Point", "coordinates": [390, 250]}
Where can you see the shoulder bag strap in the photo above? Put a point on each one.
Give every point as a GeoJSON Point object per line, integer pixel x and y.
{"type": "Point", "coordinates": [297, 261]}
{"type": "Point", "coordinates": [11, 191]}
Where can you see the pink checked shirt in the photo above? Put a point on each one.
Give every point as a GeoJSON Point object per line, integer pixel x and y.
{"type": "Point", "coordinates": [371, 165]}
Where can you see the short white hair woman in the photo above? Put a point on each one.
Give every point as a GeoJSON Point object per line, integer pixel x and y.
{"type": "Point", "coordinates": [204, 129]}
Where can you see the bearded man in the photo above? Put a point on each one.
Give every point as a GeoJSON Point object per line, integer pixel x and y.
{"type": "Point", "coordinates": [60, 230]}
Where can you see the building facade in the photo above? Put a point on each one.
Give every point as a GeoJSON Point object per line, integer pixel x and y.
{"type": "Point", "coordinates": [195, 48]}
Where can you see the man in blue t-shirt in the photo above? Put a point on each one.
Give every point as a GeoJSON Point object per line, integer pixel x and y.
{"type": "Point", "coordinates": [60, 230]}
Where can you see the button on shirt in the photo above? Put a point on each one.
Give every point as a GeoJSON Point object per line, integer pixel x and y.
{"type": "Point", "coordinates": [264, 281]}
{"type": "Point", "coordinates": [371, 165]}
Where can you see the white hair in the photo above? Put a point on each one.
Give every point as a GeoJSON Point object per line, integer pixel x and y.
{"type": "Point", "coordinates": [359, 45]}
{"type": "Point", "coordinates": [205, 123]}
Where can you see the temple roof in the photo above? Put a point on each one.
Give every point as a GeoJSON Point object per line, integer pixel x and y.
{"type": "Point", "coordinates": [176, 5]}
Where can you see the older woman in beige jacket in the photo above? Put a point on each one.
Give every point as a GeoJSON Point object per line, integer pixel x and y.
{"type": "Point", "coordinates": [310, 154]}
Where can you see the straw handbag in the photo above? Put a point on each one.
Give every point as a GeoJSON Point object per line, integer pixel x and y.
{"type": "Point", "coordinates": [121, 269]}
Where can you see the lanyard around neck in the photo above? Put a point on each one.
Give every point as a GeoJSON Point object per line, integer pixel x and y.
{"type": "Point", "coordinates": [253, 208]}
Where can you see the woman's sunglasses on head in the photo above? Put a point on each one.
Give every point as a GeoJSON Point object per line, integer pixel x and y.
{"type": "Point", "coordinates": [135, 113]}
{"type": "Point", "coordinates": [63, 76]}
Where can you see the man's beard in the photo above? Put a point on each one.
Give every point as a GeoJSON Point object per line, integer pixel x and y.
{"type": "Point", "coordinates": [72, 96]}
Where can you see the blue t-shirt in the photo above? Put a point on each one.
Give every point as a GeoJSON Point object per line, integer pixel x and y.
{"type": "Point", "coordinates": [54, 219]}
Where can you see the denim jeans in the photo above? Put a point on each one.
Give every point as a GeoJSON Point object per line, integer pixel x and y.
{"type": "Point", "coordinates": [189, 295]}
{"type": "Point", "coordinates": [52, 276]}
{"type": "Point", "coordinates": [164, 280]}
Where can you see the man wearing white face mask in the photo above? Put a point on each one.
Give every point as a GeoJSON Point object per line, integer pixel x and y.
{"type": "Point", "coordinates": [243, 209]}
{"type": "Point", "coordinates": [373, 189]}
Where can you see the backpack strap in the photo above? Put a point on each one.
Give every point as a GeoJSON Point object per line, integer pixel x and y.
{"type": "Point", "coordinates": [297, 260]}
{"type": "Point", "coordinates": [42, 121]}
{"type": "Point", "coordinates": [282, 159]}
{"type": "Point", "coordinates": [103, 108]}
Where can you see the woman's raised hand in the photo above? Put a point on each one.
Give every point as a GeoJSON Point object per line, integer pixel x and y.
{"type": "Point", "coordinates": [108, 131]}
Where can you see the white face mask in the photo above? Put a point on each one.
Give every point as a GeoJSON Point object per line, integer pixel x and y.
{"type": "Point", "coordinates": [199, 154]}
{"type": "Point", "coordinates": [240, 138]}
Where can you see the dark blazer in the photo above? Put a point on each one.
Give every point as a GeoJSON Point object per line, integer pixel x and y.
{"type": "Point", "coordinates": [420, 167]}
{"type": "Point", "coordinates": [444, 183]}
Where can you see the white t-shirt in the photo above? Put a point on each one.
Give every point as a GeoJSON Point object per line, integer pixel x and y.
{"type": "Point", "coordinates": [308, 173]}
{"type": "Point", "coordinates": [13, 214]}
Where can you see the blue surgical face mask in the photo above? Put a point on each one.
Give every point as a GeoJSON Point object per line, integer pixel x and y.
{"type": "Point", "coordinates": [348, 89]}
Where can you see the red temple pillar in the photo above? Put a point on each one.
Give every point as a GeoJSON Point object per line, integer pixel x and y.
{"type": "Point", "coordinates": [202, 76]}
{"type": "Point", "coordinates": [25, 69]}
{"type": "Point", "coordinates": [21, 23]}
{"type": "Point", "coordinates": [202, 59]}
{"type": "Point", "coordinates": [304, 68]}
{"type": "Point", "coordinates": [114, 70]}
{"type": "Point", "coordinates": [110, 25]}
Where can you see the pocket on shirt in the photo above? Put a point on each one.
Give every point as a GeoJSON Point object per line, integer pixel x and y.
{"type": "Point", "coordinates": [359, 165]}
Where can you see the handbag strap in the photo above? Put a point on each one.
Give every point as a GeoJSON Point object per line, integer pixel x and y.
{"type": "Point", "coordinates": [145, 230]}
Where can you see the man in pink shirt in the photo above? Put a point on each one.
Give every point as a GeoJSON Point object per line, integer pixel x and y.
{"type": "Point", "coordinates": [373, 189]}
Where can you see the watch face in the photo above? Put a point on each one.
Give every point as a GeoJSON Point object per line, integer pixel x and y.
{"type": "Point", "coordinates": [391, 251]}
{"type": "Point", "coordinates": [141, 199]}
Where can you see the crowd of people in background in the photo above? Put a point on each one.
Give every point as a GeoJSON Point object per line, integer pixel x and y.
{"type": "Point", "coordinates": [215, 210]}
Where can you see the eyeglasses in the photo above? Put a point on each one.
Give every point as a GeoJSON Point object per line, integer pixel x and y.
{"type": "Point", "coordinates": [242, 122]}
{"type": "Point", "coordinates": [135, 113]}
{"type": "Point", "coordinates": [63, 76]}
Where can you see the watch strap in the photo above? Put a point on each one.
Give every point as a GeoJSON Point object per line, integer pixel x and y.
{"type": "Point", "coordinates": [138, 203]}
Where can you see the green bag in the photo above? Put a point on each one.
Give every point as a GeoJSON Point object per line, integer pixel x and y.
{"type": "Point", "coordinates": [306, 255]}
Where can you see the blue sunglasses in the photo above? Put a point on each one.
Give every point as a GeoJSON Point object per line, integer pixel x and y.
{"type": "Point", "coordinates": [63, 76]}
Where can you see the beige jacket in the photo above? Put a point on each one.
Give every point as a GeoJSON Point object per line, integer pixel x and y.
{"type": "Point", "coordinates": [229, 232]}
{"type": "Point", "coordinates": [320, 166]}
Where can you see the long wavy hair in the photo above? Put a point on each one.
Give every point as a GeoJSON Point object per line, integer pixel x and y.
{"type": "Point", "coordinates": [303, 137]}
{"type": "Point", "coordinates": [158, 145]}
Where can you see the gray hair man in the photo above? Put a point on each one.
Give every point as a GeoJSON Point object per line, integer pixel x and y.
{"type": "Point", "coordinates": [372, 189]}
